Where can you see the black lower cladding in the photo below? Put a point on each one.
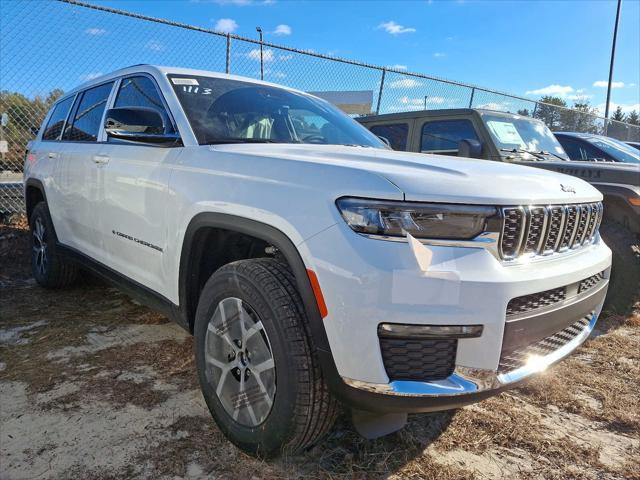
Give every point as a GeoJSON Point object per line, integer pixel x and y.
{"type": "Point", "coordinates": [422, 359]}
{"type": "Point", "coordinates": [518, 357]}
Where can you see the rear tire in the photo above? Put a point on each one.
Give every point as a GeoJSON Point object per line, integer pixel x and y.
{"type": "Point", "coordinates": [49, 268]}
{"type": "Point", "coordinates": [258, 368]}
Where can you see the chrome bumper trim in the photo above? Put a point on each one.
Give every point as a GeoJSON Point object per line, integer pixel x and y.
{"type": "Point", "coordinates": [466, 380]}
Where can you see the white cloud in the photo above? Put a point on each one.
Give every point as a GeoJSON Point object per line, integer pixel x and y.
{"type": "Point", "coordinates": [605, 83]}
{"type": "Point", "coordinates": [557, 90]}
{"type": "Point", "coordinates": [398, 67]}
{"type": "Point", "coordinates": [95, 31]}
{"type": "Point", "coordinates": [286, 57]}
{"type": "Point", "coordinates": [267, 55]}
{"type": "Point", "coordinates": [580, 97]}
{"type": "Point", "coordinates": [405, 83]}
{"type": "Point", "coordinates": [282, 29]}
{"type": "Point", "coordinates": [155, 45]}
{"type": "Point", "coordinates": [226, 25]}
{"type": "Point", "coordinates": [439, 55]}
{"type": "Point", "coordinates": [90, 76]}
{"type": "Point", "coordinates": [393, 28]}
{"type": "Point", "coordinates": [430, 100]}
{"type": "Point", "coordinates": [626, 108]}
{"type": "Point", "coordinates": [499, 106]}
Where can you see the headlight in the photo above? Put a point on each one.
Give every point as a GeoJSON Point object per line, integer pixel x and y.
{"type": "Point", "coordinates": [422, 220]}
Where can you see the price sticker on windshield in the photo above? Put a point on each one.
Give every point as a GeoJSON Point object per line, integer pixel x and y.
{"type": "Point", "coordinates": [506, 132]}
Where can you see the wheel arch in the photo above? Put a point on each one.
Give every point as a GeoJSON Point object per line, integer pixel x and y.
{"type": "Point", "coordinates": [267, 233]}
{"type": "Point", "coordinates": [34, 193]}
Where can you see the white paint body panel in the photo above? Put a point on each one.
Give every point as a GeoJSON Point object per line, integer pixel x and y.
{"type": "Point", "coordinates": [152, 193]}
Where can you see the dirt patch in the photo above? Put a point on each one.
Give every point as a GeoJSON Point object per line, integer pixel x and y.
{"type": "Point", "coordinates": [95, 386]}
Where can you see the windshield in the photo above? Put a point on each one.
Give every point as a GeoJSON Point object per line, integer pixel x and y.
{"type": "Point", "coordinates": [522, 133]}
{"type": "Point", "coordinates": [231, 111]}
{"type": "Point", "coordinates": [617, 149]}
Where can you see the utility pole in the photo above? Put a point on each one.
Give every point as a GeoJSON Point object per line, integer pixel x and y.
{"type": "Point", "coordinates": [259, 30]}
{"type": "Point", "coordinates": [425, 101]}
{"type": "Point", "coordinates": [613, 54]}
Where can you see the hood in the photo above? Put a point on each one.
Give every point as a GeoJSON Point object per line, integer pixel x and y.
{"type": "Point", "coordinates": [437, 178]}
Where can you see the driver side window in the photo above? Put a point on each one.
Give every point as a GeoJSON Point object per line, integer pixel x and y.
{"type": "Point", "coordinates": [444, 135]}
{"type": "Point", "coordinates": [140, 91]}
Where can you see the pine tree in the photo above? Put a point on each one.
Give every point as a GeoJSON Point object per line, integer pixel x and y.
{"type": "Point", "coordinates": [618, 115]}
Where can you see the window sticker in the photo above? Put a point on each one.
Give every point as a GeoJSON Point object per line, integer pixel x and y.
{"type": "Point", "coordinates": [506, 132]}
{"type": "Point", "coordinates": [185, 81]}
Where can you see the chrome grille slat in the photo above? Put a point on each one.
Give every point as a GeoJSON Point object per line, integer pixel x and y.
{"type": "Point", "coordinates": [536, 224]}
{"type": "Point", "coordinates": [581, 225]}
{"type": "Point", "coordinates": [543, 230]}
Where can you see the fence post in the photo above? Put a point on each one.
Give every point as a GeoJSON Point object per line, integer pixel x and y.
{"type": "Point", "coordinates": [228, 69]}
{"type": "Point", "coordinates": [473, 92]}
{"type": "Point", "coordinates": [384, 73]}
{"type": "Point", "coordinates": [535, 109]}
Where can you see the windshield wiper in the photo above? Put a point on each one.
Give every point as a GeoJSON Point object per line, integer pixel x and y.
{"type": "Point", "coordinates": [541, 155]}
{"type": "Point", "coordinates": [545, 152]}
{"type": "Point", "coordinates": [222, 141]}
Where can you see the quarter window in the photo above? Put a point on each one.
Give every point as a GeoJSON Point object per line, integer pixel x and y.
{"type": "Point", "coordinates": [88, 115]}
{"type": "Point", "coordinates": [446, 134]}
{"type": "Point", "coordinates": [396, 134]}
{"type": "Point", "coordinates": [56, 120]}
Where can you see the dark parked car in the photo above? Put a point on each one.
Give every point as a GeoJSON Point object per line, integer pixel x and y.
{"type": "Point", "coordinates": [587, 146]}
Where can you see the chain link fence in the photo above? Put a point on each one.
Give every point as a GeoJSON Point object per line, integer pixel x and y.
{"type": "Point", "coordinates": [49, 46]}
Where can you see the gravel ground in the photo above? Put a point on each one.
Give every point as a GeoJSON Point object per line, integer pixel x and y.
{"type": "Point", "coordinates": [96, 386]}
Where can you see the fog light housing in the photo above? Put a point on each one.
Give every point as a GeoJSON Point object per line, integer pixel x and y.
{"type": "Point", "coordinates": [396, 330]}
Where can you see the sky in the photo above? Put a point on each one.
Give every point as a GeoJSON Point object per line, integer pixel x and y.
{"type": "Point", "coordinates": [527, 48]}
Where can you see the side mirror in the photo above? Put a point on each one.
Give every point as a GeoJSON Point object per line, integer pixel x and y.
{"type": "Point", "coordinates": [138, 124]}
{"type": "Point", "coordinates": [470, 148]}
{"type": "Point", "coordinates": [385, 140]}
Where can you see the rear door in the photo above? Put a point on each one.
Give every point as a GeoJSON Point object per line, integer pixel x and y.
{"type": "Point", "coordinates": [135, 191]}
{"type": "Point", "coordinates": [78, 177]}
{"type": "Point", "coordinates": [44, 158]}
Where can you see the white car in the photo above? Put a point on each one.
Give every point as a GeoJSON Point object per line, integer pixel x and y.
{"type": "Point", "coordinates": [313, 264]}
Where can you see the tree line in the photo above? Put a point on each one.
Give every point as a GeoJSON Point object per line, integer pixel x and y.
{"type": "Point", "coordinates": [24, 115]}
{"type": "Point", "coordinates": [579, 117]}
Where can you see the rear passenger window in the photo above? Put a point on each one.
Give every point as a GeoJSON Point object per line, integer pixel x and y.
{"type": "Point", "coordinates": [141, 92]}
{"type": "Point", "coordinates": [88, 115]}
{"type": "Point", "coordinates": [56, 120]}
{"type": "Point", "coordinates": [446, 134]}
{"type": "Point", "coordinates": [396, 134]}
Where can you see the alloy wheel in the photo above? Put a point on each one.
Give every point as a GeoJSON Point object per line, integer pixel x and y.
{"type": "Point", "coordinates": [239, 362]}
{"type": "Point", "coordinates": [40, 246]}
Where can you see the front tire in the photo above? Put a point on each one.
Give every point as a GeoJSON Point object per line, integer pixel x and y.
{"type": "Point", "coordinates": [256, 361]}
{"type": "Point", "coordinates": [48, 267]}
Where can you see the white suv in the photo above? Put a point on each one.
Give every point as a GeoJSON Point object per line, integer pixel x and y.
{"type": "Point", "coordinates": [312, 263]}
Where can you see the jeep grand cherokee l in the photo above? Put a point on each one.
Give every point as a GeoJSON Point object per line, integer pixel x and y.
{"type": "Point", "coordinates": [313, 264]}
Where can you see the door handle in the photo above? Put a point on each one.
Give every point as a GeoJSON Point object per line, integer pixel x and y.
{"type": "Point", "coordinates": [53, 155]}
{"type": "Point", "coordinates": [100, 159]}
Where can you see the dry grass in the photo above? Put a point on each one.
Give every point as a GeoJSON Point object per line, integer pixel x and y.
{"type": "Point", "coordinates": [96, 356]}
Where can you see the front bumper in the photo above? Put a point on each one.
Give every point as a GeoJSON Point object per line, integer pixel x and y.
{"type": "Point", "coordinates": [381, 283]}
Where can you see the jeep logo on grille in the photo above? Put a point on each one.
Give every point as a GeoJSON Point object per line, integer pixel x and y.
{"type": "Point", "coordinates": [567, 188]}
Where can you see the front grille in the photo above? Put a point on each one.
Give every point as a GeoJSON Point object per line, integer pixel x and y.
{"type": "Point", "coordinates": [543, 230]}
{"type": "Point", "coordinates": [535, 300]}
{"type": "Point", "coordinates": [517, 358]}
{"type": "Point", "coordinates": [589, 283]}
{"type": "Point", "coordinates": [418, 359]}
